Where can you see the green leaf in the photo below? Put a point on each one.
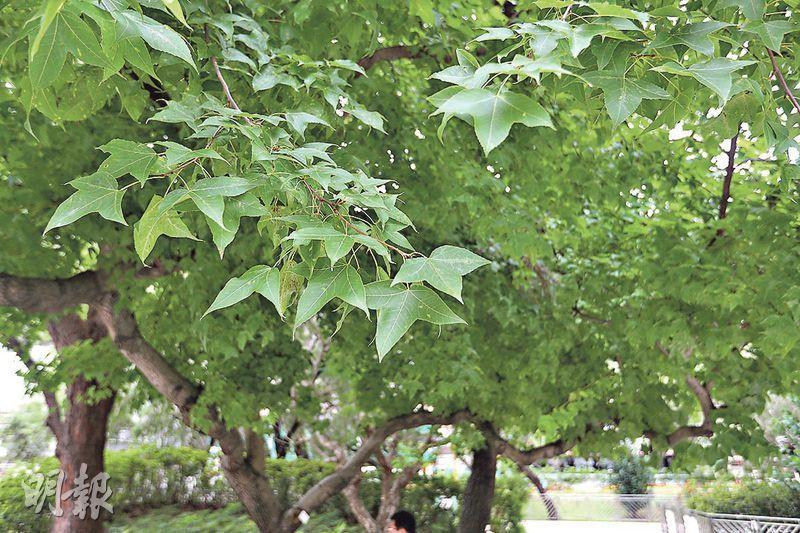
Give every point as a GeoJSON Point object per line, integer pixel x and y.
{"type": "Point", "coordinates": [771, 32]}
{"type": "Point", "coordinates": [337, 244]}
{"type": "Point", "coordinates": [246, 205]}
{"type": "Point", "coordinates": [47, 62]}
{"type": "Point", "coordinates": [442, 270]}
{"type": "Point", "coordinates": [177, 153]}
{"type": "Point", "coordinates": [329, 177]}
{"type": "Point", "coordinates": [752, 9]}
{"type": "Point", "coordinates": [424, 10]}
{"type": "Point", "coordinates": [348, 65]}
{"type": "Point", "coordinates": [128, 157]}
{"type": "Point", "coordinates": [341, 282]}
{"type": "Point", "coordinates": [174, 7]}
{"type": "Point", "coordinates": [263, 279]}
{"type": "Point", "coordinates": [269, 78]}
{"type": "Point", "coordinates": [611, 10]}
{"type": "Point", "coordinates": [694, 36]}
{"type": "Point", "coordinates": [299, 121]}
{"type": "Point", "coordinates": [97, 193]}
{"type": "Point", "coordinates": [187, 111]}
{"type": "Point", "coordinates": [398, 309]}
{"type": "Point", "coordinates": [370, 118]}
{"type": "Point", "coordinates": [581, 36]}
{"type": "Point", "coordinates": [716, 74]}
{"type": "Point", "coordinates": [157, 35]}
{"type": "Point", "coordinates": [51, 9]}
{"type": "Point", "coordinates": [493, 114]}
{"type": "Point", "coordinates": [455, 74]}
{"type": "Point", "coordinates": [208, 194]}
{"type": "Point", "coordinates": [81, 40]}
{"type": "Point", "coordinates": [496, 34]}
{"type": "Point", "coordinates": [623, 95]}
{"type": "Point", "coordinates": [545, 35]}
{"type": "Point", "coordinates": [154, 223]}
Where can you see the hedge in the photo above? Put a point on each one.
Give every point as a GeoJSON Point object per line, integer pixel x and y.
{"type": "Point", "coordinates": [751, 497]}
{"type": "Point", "coordinates": [149, 477]}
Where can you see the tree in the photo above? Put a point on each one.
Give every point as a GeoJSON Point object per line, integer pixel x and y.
{"type": "Point", "coordinates": [627, 293]}
{"type": "Point", "coordinates": [24, 435]}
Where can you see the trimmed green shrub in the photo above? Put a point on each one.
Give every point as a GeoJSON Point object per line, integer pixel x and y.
{"type": "Point", "coordinates": [631, 475]}
{"type": "Point", "coordinates": [149, 478]}
{"type": "Point", "coordinates": [750, 497]}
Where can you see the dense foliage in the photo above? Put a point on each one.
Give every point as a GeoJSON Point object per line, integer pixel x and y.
{"type": "Point", "coordinates": [747, 497]}
{"type": "Point", "coordinates": [640, 218]}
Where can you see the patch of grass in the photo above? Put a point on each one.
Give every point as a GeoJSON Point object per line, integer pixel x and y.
{"type": "Point", "coordinates": [229, 519]}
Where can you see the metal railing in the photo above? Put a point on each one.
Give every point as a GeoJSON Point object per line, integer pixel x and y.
{"type": "Point", "coordinates": [605, 507]}
{"type": "Point", "coordinates": [735, 523]}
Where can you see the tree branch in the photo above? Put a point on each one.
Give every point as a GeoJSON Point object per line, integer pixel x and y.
{"type": "Point", "coordinates": [530, 455]}
{"type": "Point", "coordinates": [778, 74]}
{"type": "Point", "coordinates": [706, 428]}
{"type": "Point", "coordinates": [549, 504]}
{"type": "Point", "coordinates": [726, 183]}
{"type": "Point", "coordinates": [390, 53]}
{"type": "Point", "coordinates": [336, 481]}
{"type": "Point", "coordinates": [357, 507]}
{"type": "Point", "coordinates": [38, 295]}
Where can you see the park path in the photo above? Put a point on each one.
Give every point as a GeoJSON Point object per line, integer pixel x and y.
{"type": "Point", "coordinates": [575, 526]}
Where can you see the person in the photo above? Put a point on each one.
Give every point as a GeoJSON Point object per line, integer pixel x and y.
{"type": "Point", "coordinates": [402, 522]}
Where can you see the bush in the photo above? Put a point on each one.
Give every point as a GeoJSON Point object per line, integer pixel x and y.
{"type": "Point", "coordinates": [750, 497]}
{"type": "Point", "coordinates": [149, 477]}
{"type": "Point", "coordinates": [631, 475]}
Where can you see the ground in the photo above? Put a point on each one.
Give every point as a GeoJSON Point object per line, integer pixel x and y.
{"type": "Point", "coordinates": [558, 526]}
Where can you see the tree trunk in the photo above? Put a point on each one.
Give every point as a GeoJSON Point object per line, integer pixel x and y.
{"type": "Point", "coordinates": [80, 438]}
{"type": "Point", "coordinates": [79, 448]}
{"type": "Point", "coordinates": [251, 488]}
{"type": "Point", "coordinates": [477, 506]}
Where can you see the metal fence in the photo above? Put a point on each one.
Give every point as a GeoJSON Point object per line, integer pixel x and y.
{"type": "Point", "coordinates": [734, 523]}
{"type": "Point", "coordinates": [604, 507]}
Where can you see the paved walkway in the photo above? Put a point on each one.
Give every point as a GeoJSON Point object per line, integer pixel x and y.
{"type": "Point", "coordinates": [574, 526]}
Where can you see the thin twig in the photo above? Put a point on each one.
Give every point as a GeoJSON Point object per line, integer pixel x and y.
{"type": "Point", "coordinates": [778, 74]}
{"type": "Point", "coordinates": [225, 89]}
{"type": "Point", "coordinates": [726, 184]}
{"type": "Point", "coordinates": [335, 210]}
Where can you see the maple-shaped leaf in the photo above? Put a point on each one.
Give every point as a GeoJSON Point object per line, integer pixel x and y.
{"type": "Point", "coordinates": [716, 74]}
{"type": "Point", "coordinates": [263, 279]}
{"type": "Point", "coordinates": [399, 307]}
{"type": "Point", "coordinates": [128, 157]}
{"type": "Point", "coordinates": [246, 205]}
{"type": "Point", "coordinates": [622, 95]}
{"type": "Point", "coordinates": [97, 193]}
{"type": "Point", "coordinates": [493, 113]}
{"type": "Point", "coordinates": [694, 36]}
{"type": "Point", "coordinates": [341, 281]}
{"type": "Point", "coordinates": [154, 223]}
{"type": "Point", "coordinates": [443, 270]}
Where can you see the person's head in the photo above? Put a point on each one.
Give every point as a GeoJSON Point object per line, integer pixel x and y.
{"type": "Point", "coordinates": [402, 522]}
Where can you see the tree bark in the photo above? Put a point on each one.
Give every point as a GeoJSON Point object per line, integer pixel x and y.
{"type": "Point", "coordinates": [82, 442]}
{"type": "Point", "coordinates": [547, 501]}
{"type": "Point", "coordinates": [477, 506]}
{"type": "Point", "coordinates": [81, 435]}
